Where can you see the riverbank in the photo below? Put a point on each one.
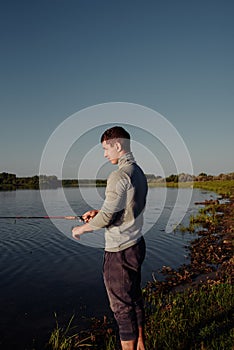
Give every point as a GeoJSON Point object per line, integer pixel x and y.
{"type": "Point", "coordinates": [189, 308]}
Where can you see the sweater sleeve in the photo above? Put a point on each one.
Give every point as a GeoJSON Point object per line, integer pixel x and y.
{"type": "Point", "coordinates": [115, 201]}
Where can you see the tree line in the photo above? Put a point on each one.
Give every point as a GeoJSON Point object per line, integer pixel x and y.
{"type": "Point", "coordinates": [10, 181]}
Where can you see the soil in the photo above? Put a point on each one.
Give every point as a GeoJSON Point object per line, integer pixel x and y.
{"type": "Point", "coordinates": [211, 254]}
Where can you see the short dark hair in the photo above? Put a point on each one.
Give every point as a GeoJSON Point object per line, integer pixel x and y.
{"type": "Point", "coordinates": [117, 133]}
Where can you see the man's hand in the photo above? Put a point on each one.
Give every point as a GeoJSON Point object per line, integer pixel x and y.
{"type": "Point", "coordinates": [89, 215]}
{"type": "Point", "coordinates": [79, 230]}
{"type": "Point", "coordinates": [76, 232]}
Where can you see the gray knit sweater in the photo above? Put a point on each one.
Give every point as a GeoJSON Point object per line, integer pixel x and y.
{"type": "Point", "coordinates": [122, 210]}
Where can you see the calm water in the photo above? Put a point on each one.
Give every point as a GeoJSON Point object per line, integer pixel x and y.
{"type": "Point", "coordinates": [43, 271]}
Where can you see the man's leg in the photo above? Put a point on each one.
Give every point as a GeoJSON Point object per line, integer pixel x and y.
{"type": "Point", "coordinates": [135, 344]}
{"type": "Point", "coordinates": [128, 345]}
{"type": "Point", "coordinates": [121, 277]}
{"type": "Point", "coordinates": [115, 278]}
{"type": "Point", "coordinates": [137, 293]}
{"type": "Point", "coordinates": [140, 340]}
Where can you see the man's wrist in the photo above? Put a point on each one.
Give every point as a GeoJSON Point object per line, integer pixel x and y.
{"type": "Point", "coordinates": [87, 228]}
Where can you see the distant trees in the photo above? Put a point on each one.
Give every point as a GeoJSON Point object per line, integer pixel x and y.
{"type": "Point", "coordinates": [12, 182]}
{"type": "Point", "coordinates": [220, 177]}
{"type": "Point", "coordinates": [203, 177]}
{"type": "Point", "coordinates": [150, 177]}
{"type": "Point", "coordinates": [28, 182]}
{"type": "Point", "coordinates": [203, 174]}
{"type": "Point", "coordinates": [100, 182]}
{"type": "Point", "coordinates": [6, 178]}
{"type": "Point", "coordinates": [185, 177]}
{"type": "Point", "coordinates": [83, 182]}
{"type": "Point", "coordinates": [229, 176]}
{"type": "Point", "coordinates": [7, 181]}
{"type": "Point", "coordinates": [70, 183]}
{"type": "Point", "coordinates": [49, 181]}
{"type": "Point", "coordinates": [172, 178]}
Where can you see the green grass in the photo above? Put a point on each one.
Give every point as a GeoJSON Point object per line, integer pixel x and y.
{"type": "Point", "coordinates": [190, 320]}
{"type": "Point", "coordinates": [67, 338]}
{"type": "Point", "coordinates": [207, 217]}
{"type": "Point", "coordinates": [100, 336]}
{"type": "Point", "coordinates": [195, 319]}
{"type": "Point", "coordinates": [224, 188]}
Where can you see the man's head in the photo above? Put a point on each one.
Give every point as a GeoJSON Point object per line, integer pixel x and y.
{"type": "Point", "coordinates": [115, 142]}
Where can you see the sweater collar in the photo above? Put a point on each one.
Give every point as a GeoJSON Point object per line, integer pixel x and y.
{"type": "Point", "coordinates": [126, 159]}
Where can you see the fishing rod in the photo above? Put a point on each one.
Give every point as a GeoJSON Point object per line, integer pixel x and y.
{"type": "Point", "coordinates": [79, 217]}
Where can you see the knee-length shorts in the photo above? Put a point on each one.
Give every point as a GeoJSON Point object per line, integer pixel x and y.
{"type": "Point", "coordinates": [122, 278]}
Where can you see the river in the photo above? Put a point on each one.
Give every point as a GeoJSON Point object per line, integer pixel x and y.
{"type": "Point", "coordinates": [43, 271]}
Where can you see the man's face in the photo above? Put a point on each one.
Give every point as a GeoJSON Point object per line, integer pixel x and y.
{"type": "Point", "coordinates": [111, 152]}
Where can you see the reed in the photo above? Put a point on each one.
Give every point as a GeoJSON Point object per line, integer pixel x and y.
{"type": "Point", "coordinates": [68, 338]}
{"type": "Point", "coordinates": [100, 335]}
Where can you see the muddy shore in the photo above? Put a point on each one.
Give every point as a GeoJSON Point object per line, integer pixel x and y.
{"type": "Point", "coordinates": [211, 254]}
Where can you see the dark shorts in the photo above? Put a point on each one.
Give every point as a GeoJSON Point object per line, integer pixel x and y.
{"type": "Point", "coordinates": [122, 278]}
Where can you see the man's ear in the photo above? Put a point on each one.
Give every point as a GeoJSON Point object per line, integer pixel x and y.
{"type": "Point", "coordinates": [118, 146]}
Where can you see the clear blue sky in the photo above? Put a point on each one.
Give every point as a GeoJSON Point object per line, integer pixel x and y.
{"type": "Point", "coordinates": [60, 56]}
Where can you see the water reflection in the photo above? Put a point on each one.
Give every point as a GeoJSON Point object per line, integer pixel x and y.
{"type": "Point", "coordinates": [44, 271]}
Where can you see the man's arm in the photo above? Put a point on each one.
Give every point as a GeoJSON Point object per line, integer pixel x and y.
{"type": "Point", "coordinates": [80, 230]}
{"type": "Point", "coordinates": [115, 200]}
{"type": "Point", "coordinates": [113, 204]}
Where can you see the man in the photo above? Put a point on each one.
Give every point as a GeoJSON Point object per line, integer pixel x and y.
{"type": "Point", "coordinates": [122, 217]}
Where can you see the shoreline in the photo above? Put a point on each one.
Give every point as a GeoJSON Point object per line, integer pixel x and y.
{"type": "Point", "coordinates": [211, 254]}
